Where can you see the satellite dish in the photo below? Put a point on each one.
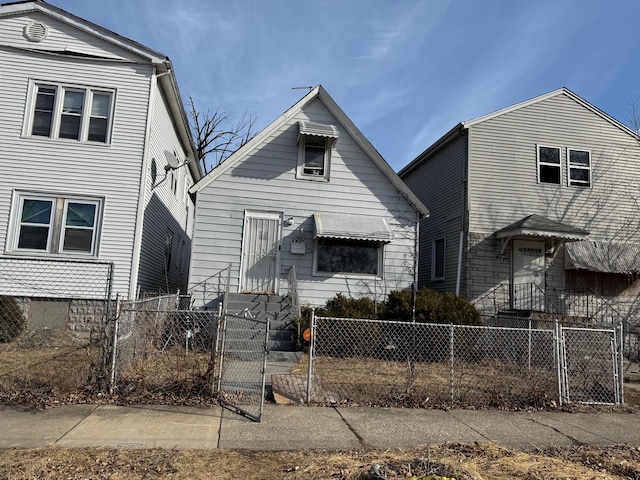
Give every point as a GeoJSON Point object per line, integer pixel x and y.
{"type": "Point", "coordinates": [172, 160]}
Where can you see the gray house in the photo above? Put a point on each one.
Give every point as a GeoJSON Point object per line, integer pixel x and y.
{"type": "Point", "coordinates": [308, 205]}
{"type": "Point", "coordinates": [533, 208]}
{"type": "Point", "coordinates": [91, 127]}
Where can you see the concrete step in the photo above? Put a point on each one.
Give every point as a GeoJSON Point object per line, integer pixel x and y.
{"type": "Point", "coordinates": [274, 307]}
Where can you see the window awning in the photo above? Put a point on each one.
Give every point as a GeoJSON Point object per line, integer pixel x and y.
{"type": "Point", "coordinates": [539, 226]}
{"type": "Point", "coordinates": [317, 129]}
{"type": "Point", "coordinates": [605, 257]}
{"type": "Point", "coordinates": [352, 227]}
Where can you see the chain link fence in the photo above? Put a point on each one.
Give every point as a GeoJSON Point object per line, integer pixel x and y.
{"type": "Point", "coordinates": [366, 362]}
{"type": "Point", "coordinates": [160, 349]}
{"type": "Point", "coordinates": [243, 356]}
{"type": "Point", "coordinates": [52, 321]}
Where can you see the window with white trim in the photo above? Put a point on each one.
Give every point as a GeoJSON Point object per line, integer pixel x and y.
{"type": "Point", "coordinates": [438, 259]}
{"type": "Point", "coordinates": [71, 112]}
{"type": "Point", "coordinates": [549, 165]}
{"type": "Point", "coordinates": [579, 162]}
{"type": "Point", "coordinates": [314, 157]}
{"type": "Point", "coordinates": [56, 225]}
{"type": "Point", "coordinates": [338, 255]}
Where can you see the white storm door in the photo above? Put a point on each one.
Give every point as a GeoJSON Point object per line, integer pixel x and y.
{"type": "Point", "coordinates": [261, 252]}
{"type": "Point", "coordinates": [528, 275]}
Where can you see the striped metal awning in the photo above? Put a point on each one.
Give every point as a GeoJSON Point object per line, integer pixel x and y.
{"type": "Point", "coordinates": [605, 257]}
{"type": "Point", "coordinates": [352, 227]}
{"type": "Point", "coordinates": [539, 226]}
{"type": "Point", "coordinates": [317, 129]}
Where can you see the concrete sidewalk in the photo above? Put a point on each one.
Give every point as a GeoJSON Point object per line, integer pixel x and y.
{"type": "Point", "coordinates": [305, 428]}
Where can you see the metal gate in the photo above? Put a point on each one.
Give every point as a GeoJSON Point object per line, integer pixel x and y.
{"type": "Point", "coordinates": [590, 365]}
{"type": "Point", "coordinates": [243, 360]}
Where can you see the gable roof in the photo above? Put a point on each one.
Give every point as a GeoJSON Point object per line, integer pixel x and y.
{"type": "Point", "coordinates": [321, 94]}
{"type": "Point", "coordinates": [166, 77]}
{"type": "Point", "coordinates": [546, 96]}
{"type": "Point", "coordinates": [442, 141]}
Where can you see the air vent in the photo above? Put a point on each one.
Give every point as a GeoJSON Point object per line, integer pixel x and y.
{"type": "Point", "coordinates": [36, 31]}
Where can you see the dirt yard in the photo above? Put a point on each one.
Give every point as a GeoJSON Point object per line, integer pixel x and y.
{"type": "Point", "coordinates": [462, 462]}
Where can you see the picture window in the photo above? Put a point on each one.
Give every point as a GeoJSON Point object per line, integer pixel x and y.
{"type": "Point", "coordinates": [336, 255]}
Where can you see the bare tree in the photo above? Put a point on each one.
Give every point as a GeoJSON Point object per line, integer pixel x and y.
{"type": "Point", "coordinates": [216, 135]}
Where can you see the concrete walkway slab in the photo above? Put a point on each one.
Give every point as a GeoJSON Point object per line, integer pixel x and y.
{"type": "Point", "coordinates": [511, 429]}
{"type": "Point", "coordinates": [403, 427]}
{"type": "Point", "coordinates": [595, 429]}
{"type": "Point", "coordinates": [39, 428]}
{"type": "Point", "coordinates": [147, 427]}
{"type": "Point", "coordinates": [288, 428]}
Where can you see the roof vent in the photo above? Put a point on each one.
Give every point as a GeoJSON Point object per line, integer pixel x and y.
{"type": "Point", "coordinates": [36, 31]}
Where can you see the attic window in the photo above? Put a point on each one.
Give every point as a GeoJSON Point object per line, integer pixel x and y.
{"type": "Point", "coordinates": [36, 31]}
{"type": "Point", "coordinates": [315, 141]}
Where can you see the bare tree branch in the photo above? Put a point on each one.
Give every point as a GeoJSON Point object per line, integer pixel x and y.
{"type": "Point", "coordinates": [213, 135]}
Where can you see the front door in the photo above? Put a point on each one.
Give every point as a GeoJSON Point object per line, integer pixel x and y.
{"type": "Point", "coordinates": [528, 275]}
{"type": "Point", "coordinates": [261, 252]}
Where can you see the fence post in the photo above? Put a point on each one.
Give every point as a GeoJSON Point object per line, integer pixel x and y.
{"type": "Point", "coordinates": [559, 361]}
{"type": "Point", "coordinates": [311, 345]}
{"type": "Point", "coordinates": [451, 360]}
{"type": "Point", "coordinates": [114, 348]}
{"type": "Point", "coordinates": [529, 359]}
{"type": "Point", "coordinates": [621, 359]}
{"type": "Point", "coordinates": [265, 352]}
{"type": "Point", "coordinates": [215, 349]}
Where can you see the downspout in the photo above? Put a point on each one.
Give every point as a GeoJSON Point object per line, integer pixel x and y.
{"type": "Point", "coordinates": [137, 237]}
{"type": "Point", "coordinates": [416, 256]}
{"type": "Point", "coordinates": [463, 218]}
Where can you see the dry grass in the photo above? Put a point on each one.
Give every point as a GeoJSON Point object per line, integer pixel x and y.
{"type": "Point", "coordinates": [464, 462]}
{"type": "Point", "coordinates": [487, 384]}
{"type": "Point", "coordinates": [57, 371]}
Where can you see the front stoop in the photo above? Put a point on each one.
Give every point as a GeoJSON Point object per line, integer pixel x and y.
{"type": "Point", "coordinates": [277, 309]}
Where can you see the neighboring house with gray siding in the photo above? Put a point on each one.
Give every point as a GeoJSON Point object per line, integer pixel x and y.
{"type": "Point", "coordinates": [309, 194]}
{"type": "Point", "coordinates": [533, 208]}
{"type": "Point", "coordinates": [89, 122]}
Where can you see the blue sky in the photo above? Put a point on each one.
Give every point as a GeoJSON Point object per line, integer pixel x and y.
{"type": "Point", "coordinates": [404, 71]}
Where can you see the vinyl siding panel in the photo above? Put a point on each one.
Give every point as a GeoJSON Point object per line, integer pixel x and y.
{"type": "Point", "coordinates": [69, 167]}
{"type": "Point", "coordinates": [166, 208]}
{"type": "Point", "coordinates": [61, 37]}
{"type": "Point", "coordinates": [504, 187]}
{"type": "Point", "coordinates": [438, 183]}
{"type": "Point", "coordinates": [503, 183]}
{"type": "Point", "coordinates": [266, 181]}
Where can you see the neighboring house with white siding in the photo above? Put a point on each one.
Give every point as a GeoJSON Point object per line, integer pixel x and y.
{"type": "Point", "coordinates": [309, 194]}
{"type": "Point", "coordinates": [90, 122]}
{"type": "Point", "coordinates": [533, 208]}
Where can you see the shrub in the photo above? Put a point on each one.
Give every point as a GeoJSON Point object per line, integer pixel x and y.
{"type": "Point", "coordinates": [12, 323]}
{"type": "Point", "coordinates": [431, 307]}
{"type": "Point", "coordinates": [342, 338]}
{"type": "Point", "coordinates": [345, 307]}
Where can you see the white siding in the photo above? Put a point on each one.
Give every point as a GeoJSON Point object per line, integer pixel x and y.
{"type": "Point", "coordinates": [71, 167]}
{"type": "Point", "coordinates": [266, 182]}
{"type": "Point", "coordinates": [438, 183]}
{"type": "Point", "coordinates": [61, 36]}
